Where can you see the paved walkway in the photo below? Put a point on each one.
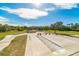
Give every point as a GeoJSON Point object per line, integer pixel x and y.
{"type": "Point", "coordinates": [70, 45]}
{"type": "Point", "coordinates": [7, 40]}
{"type": "Point", "coordinates": [35, 47]}
{"type": "Point", "coordinates": [40, 46]}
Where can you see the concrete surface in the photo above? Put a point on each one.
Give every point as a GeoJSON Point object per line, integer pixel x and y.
{"type": "Point", "coordinates": [37, 46]}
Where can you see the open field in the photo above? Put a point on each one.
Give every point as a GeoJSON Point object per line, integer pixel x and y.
{"type": "Point", "coordinates": [65, 32]}
{"type": "Point", "coordinates": [16, 48]}
{"type": "Point", "coordinates": [69, 32]}
{"type": "Point", "coordinates": [3, 34]}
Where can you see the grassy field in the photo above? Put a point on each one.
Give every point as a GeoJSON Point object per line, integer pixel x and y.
{"type": "Point", "coordinates": [16, 48]}
{"type": "Point", "coordinates": [69, 32]}
{"type": "Point", "coordinates": [65, 32]}
{"type": "Point", "coordinates": [3, 34]}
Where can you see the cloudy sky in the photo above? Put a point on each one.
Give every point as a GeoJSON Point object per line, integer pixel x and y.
{"type": "Point", "coordinates": [38, 14]}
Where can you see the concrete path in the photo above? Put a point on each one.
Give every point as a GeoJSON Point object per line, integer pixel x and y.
{"type": "Point", "coordinates": [70, 45]}
{"type": "Point", "coordinates": [36, 47]}
{"type": "Point", "coordinates": [51, 45]}
{"type": "Point", "coordinates": [7, 40]}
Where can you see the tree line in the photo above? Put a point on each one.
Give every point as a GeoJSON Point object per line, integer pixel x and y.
{"type": "Point", "coordinates": [55, 26]}
{"type": "Point", "coordinates": [68, 27]}
{"type": "Point", "coordinates": [58, 26]}
{"type": "Point", "coordinates": [5, 28]}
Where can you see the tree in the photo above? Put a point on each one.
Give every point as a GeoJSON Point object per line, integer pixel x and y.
{"type": "Point", "coordinates": [19, 28]}
{"type": "Point", "coordinates": [73, 27]}
{"type": "Point", "coordinates": [57, 25]}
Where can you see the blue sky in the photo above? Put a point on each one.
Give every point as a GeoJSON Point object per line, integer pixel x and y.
{"type": "Point", "coordinates": [38, 14]}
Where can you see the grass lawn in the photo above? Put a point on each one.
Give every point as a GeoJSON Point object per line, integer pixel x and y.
{"type": "Point", "coordinates": [65, 32]}
{"type": "Point", "coordinates": [69, 32]}
{"type": "Point", "coordinates": [16, 47]}
{"type": "Point", "coordinates": [3, 34]}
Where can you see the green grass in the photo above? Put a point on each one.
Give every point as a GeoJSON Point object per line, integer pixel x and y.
{"type": "Point", "coordinates": [16, 47]}
{"type": "Point", "coordinates": [3, 34]}
{"type": "Point", "coordinates": [69, 32]}
{"type": "Point", "coordinates": [65, 32]}
{"type": "Point", "coordinates": [49, 30]}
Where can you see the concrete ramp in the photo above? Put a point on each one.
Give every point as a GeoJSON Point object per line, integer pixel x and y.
{"type": "Point", "coordinates": [6, 41]}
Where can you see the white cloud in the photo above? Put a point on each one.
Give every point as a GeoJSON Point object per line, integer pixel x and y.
{"type": "Point", "coordinates": [3, 20]}
{"type": "Point", "coordinates": [1, 17]}
{"type": "Point", "coordinates": [50, 9]}
{"type": "Point", "coordinates": [61, 6]}
{"type": "Point", "coordinates": [26, 12]}
{"type": "Point", "coordinates": [15, 24]}
{"type": "Point", "coordinates": [65, 5]}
